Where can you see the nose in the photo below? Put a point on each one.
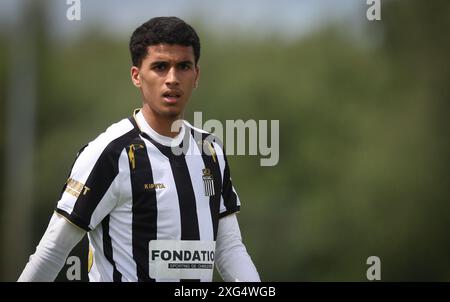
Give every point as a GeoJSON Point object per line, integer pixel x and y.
{"type": "Point", "coordinates": [172, 77]}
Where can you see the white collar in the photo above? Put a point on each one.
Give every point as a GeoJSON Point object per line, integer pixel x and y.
{"type": "Point", "coordinates": [163, 140]}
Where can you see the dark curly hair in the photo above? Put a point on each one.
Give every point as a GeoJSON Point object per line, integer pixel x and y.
{"type": "Point", "coordinates": [170, 30]}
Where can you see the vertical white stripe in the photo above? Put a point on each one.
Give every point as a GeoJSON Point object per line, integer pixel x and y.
{"type": "Point", "coordinates": [168, 217]}
{"type": "Point", "coordinates": [121, 224]}
{"type": "Point", "coordinates": [106, 204]}
{"type": "Point", "coordinates": [195, 165]}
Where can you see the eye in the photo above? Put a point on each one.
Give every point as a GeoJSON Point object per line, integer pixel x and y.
{"type": "Point", "coordinates": [185, 66]}
{"type": "Point", "coordinates": [159, 66]}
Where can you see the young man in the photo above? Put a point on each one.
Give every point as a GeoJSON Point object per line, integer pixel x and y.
{"type": "Point", "coordinates": [152, 213]}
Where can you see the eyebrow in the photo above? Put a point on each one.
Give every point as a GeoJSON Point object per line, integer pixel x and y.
{"type": "Point", "coordinates": [186, 62]}
{"type": "Point", "coordinates": [157, 63]}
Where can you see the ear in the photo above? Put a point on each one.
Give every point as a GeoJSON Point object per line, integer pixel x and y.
{"type": "Point", "coordinates": [197, 77]}
{"type": "Point", "coordinates": [135, 77]}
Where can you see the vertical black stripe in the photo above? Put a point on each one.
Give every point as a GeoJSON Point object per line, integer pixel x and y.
{"type": "Point", "coordinates": [213, 164]}
{"type": "Point", "coordinates": [144, 206]}
{"type": "Point", "coordinates": [186, 198]}
{"type": "Point", "coordinates": [185, 190]}
{"type": "Point", "coordinates": [107, 249]}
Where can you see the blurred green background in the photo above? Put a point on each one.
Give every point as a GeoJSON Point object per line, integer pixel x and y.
{"type": "Point", "coordinates": [364, 134]}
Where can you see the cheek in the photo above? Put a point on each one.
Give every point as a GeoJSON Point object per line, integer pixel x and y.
{"type": "Point", "coordinates": [149, 86]}
{"type": "Point", "coordinates": [190, 83]}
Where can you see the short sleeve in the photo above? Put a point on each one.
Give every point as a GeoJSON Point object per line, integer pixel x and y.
{"type": "Point", "coordinates": [91, 191]}
{"type": "Point", "coordinates": [229, 200]}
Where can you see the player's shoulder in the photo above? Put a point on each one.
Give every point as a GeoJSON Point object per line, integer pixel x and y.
{"type": "Point", "coordinates": [204, 135]}
{"type": "Point", "coordinates": [199, 133]}
{"type": "Point", "coordinates": [195, 129]}
{"type": "Point", "coordinates": [112, 140]}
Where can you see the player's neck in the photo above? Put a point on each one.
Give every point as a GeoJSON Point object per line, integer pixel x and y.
{"type": "Point", "coordinates": [162, 125]}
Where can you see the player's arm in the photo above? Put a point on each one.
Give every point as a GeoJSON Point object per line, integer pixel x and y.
{"type": "Point", "coordinates": [59, 239]}
{"type": "Point", "coordinates": [92, 187]}
{"type": "Point", "coordinates": [232, 260]}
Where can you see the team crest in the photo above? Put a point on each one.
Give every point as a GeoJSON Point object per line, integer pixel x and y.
{"type": "Point", "coordinates": [208, 182]}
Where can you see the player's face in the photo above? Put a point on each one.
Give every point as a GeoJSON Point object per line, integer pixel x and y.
{"type": "Point", "coordinates": [166, 78]}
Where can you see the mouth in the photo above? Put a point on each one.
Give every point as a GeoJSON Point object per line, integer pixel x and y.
{"type": "Point", "coordinates": [171, 97]}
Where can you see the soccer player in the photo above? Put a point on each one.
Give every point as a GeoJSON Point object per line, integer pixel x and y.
{"type": "Point", "coordinates": [158, 204]}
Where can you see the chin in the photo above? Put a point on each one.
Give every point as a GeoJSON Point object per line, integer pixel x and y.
{"type": "Point", "coordinates": [171, 113]}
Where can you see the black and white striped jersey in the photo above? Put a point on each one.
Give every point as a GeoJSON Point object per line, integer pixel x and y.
{"type": "Point", "coordinates": [151, 213]}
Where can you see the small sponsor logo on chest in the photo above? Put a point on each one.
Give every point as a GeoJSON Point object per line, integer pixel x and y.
{"type": "Point", "coordinates": [154, 186]}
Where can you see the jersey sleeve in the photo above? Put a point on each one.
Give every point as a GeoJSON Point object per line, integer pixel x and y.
{"type": "Point", "coordinates": [91, 192]}
{"type": "Point", "coordinates": [229, 200]}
